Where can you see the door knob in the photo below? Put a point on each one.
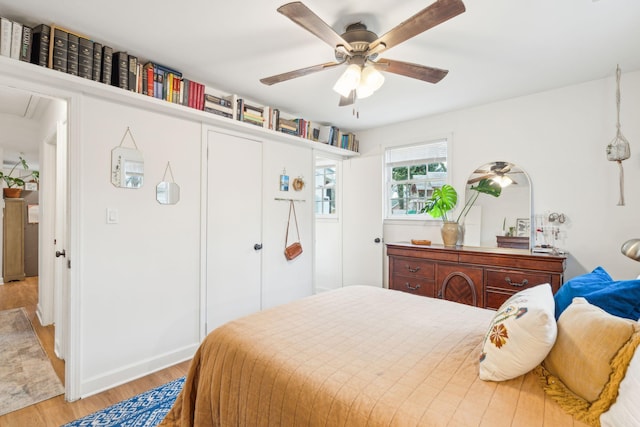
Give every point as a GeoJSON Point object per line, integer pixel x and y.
{"type": "Point", "coordinates": [61, 253]}
{"type": "Point", "coordinates": [257, 246]}
{"type": "Point", "coordinates": [376, 240]}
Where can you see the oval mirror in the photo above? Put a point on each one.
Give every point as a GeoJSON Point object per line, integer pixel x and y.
{"type": "Point", "coordinates": [502, 221]}
{"type": "Point", "coordinates": [167, 193]}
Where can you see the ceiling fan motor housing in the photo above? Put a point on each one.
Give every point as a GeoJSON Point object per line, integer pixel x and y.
{"type": "Point", "coordinates": [359, 38]}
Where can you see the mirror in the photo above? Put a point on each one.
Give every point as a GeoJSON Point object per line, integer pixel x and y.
{"type": "Point", "coordinates": [127, 167]}
{"type": "Point", "coordinates": [167, 193]}
{"type": "Point", "coordinates": [503, 221]}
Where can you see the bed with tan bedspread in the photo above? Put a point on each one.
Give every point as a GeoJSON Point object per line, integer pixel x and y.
{"type": "Point", "coordinates": [358, 356]}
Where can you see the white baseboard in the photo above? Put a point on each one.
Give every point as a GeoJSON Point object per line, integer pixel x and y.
{"type": "Point", "coordinates": [134, 371]}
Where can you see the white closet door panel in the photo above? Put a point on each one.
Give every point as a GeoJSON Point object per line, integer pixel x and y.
{"type": "Point", "coordinates": [362, 246]}
{"type": "Point", "coordinates": [234, 216]}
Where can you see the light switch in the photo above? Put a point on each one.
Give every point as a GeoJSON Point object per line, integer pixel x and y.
{"type": "Point", "coordinates": [112, 216]}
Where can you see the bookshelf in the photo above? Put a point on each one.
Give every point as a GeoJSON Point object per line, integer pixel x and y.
{"type": "Point", "coordinates": [17, 73]}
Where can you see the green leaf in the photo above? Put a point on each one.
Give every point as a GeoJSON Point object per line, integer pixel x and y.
{"type": "Point", "coordinates": [442, 200]}
{"type": "Point", "coordinates": [488, 186]}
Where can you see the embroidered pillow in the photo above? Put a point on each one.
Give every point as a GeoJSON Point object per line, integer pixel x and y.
{"type": "Point", "coordinates": [589, 359]}
{"type": "Point", "coordinates": [520, 335]}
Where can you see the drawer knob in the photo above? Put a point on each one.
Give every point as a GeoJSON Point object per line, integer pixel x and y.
{"type": "Point", "coordinates": [413, 269]}
{"type": "Point", "coordinates": [412, 288]}
{"type": "Point", "coordinates": [525, 282]}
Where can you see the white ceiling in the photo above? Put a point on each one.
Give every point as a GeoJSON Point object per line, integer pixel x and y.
{"type": "Point", "coordinates": [497, 49]}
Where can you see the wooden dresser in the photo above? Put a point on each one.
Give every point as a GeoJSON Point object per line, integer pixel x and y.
{"type": "Point", "coordinates": [484, 277]}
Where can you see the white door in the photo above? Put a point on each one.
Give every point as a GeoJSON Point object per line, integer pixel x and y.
{"type": "Point", "coordinates": [234, 235]}
{"type": "Point", "coordinates": [61, 274]}
{"type": "Point", "coordinates": [362, 245]}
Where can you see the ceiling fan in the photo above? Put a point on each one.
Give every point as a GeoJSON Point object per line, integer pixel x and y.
{"type": "Point", "coordinates": [496, 171]}
{"type": "Point", "coordinates": [359, 48]}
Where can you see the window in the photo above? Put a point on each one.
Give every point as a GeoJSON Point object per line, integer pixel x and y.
{"type": "Point", "coordinates": [325, 186]}
{"type": "Point", "coordinates": [412, 172]}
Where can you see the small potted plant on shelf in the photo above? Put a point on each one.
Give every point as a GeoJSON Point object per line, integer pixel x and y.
{"type": "Point", "coordinates": [15, 184]}
{"type": "Point", "coordinates": [445, 198]}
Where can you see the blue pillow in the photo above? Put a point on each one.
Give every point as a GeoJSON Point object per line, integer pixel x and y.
{"type": "Point", "coordinates": [619, 298]}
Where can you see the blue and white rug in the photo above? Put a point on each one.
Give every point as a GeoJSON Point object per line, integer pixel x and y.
{"type": "Point", "coordinates": [144, 410]}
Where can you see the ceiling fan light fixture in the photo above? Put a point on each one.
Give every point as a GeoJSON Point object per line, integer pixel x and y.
{"type": "Point", "coordinates": [503, 180]}
{"type": "Point", "coordinates": [370, 81]}
{"type": "Point", "coordinates": [348, 81]}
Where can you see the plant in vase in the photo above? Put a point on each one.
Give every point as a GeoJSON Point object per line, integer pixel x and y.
{"type": "Point", "coordinates": [445, 198]}
{"type": "Point", "coordinates": [15, 184]}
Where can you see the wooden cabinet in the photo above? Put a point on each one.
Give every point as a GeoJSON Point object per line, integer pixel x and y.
{"type": "Point", "coordinates": [13, 245]}
{"type": "Point", "coordinates": [484, 277]}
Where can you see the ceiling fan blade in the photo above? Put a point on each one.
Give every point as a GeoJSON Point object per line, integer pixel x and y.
{"type": "Point", "coordinates": [303, 16]}
{"type": "Point", "coordinates": [298, 73]}
{"type": "Point", "coordinates": [416, 71]}
{"type": "Point", "coordinates": [480, 178]}
{"type": "Point", "coordinates": [432, 15]}
{"type": "Point", "coordinates": [347, 100]}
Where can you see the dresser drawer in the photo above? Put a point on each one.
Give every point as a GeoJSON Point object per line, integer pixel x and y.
{"type": "Point", "coordinates": [413, 285]}
{"type": "Point", "coordinates": [412, 267]}
{"type": "Point", "coordinates": [514, 280]}
{"type": "Point", "coordinates": [494, 299]}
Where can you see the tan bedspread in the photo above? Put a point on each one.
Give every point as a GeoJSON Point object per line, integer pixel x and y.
{"type": "Point", "coordinates": [358, 356]}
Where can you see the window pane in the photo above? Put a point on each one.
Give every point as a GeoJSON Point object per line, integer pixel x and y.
{"type": "Point", "coordinates": [325, 184]}
{"type": "Point", "coordinates": [412, 173]}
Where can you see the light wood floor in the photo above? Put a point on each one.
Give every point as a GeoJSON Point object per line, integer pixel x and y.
{"type": "Point", "coordinates": [56, 411]}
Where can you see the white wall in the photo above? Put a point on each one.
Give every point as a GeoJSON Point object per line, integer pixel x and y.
{"type": "Point", "coordinates": [139, 279]}
{"type": "Point", "coordinates": [282, 280]}
{"type": "Point", "coordinates": [559, 138]}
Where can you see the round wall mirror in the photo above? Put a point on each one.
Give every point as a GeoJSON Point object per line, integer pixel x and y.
{"type": "Point", "coordinates": [503, 221]}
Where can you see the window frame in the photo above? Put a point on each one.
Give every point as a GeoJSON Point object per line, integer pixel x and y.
{"type": "Point", "coordinates": [326, 162]}
{"type": "Point", "coordinates": [389, 183]}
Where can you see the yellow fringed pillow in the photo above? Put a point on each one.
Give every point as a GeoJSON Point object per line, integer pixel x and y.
{"type": "Point", "coordinates": [589, 359]}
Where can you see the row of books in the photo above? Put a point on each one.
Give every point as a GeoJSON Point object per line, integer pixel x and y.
{"type": "Point", "coordinates": [63, 50]}
{"type": "Point", "coordinates": [235, 108]}
{"type": "Point", "coordinates": [15, 40]}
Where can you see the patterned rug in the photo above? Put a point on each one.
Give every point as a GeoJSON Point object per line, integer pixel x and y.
{"type": "Point", "coordinates": [26, 374]}
{"type": "Point", "coordinates": [144, 410]}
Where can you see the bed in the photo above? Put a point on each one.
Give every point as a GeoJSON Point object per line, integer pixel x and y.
{"type": "Point", "coordinates": [357, 356]}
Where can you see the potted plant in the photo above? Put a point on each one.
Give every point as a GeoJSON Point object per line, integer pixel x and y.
{"type": "Point", "coordinates": [15, 184]}
{"type": "Point", "coordinates": [445, 198]}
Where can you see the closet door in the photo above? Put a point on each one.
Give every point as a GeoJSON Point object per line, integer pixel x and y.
{"type": "Point", "coordinates": [362, 247]}
{"type": "Point", "coordinates": [234, 232]}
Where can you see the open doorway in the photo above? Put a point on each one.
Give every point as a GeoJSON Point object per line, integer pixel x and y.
{"type": "Point", "coordinates": [34, 130]}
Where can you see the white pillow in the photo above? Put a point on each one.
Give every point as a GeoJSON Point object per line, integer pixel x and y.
{"type": "Point", "coordinates": [520, 336]}
{"type": "Point", "coordinates": [626, 411]}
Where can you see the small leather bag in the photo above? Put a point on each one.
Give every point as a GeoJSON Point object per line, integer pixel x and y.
{"type": "Point", "coordinates": [294, 249]}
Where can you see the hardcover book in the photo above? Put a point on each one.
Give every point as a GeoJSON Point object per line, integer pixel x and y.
{"type": "Point", "coordinates": [151, 80]}
{"type": "Point", "coordinates": [16, 40]}
{"type": "Point", "coordinates": [27, 44]}
{"type": "Point", "coordinates": [85, 58]}
{"type": "Point", "coordinates": [120, 73]}
{"type": "Point", "coordinates": [5, 36]}
{"type": "Point", "coordinates": [40, 45]}
{"type": "Point", "coordinates": [73, 42]}
{"type": "Point", "coordinates": [97, 62]}
{"type": "Point", "coordinates": [218, 112]}
{"type": "Point", "coordinates": [107, 64]}
{"type": "Point", "coordinates": [58, 49]}
{"type": "Point", "coordinates": [133, 73]}
{"type": "Point", "coordinates": [217, 100]}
